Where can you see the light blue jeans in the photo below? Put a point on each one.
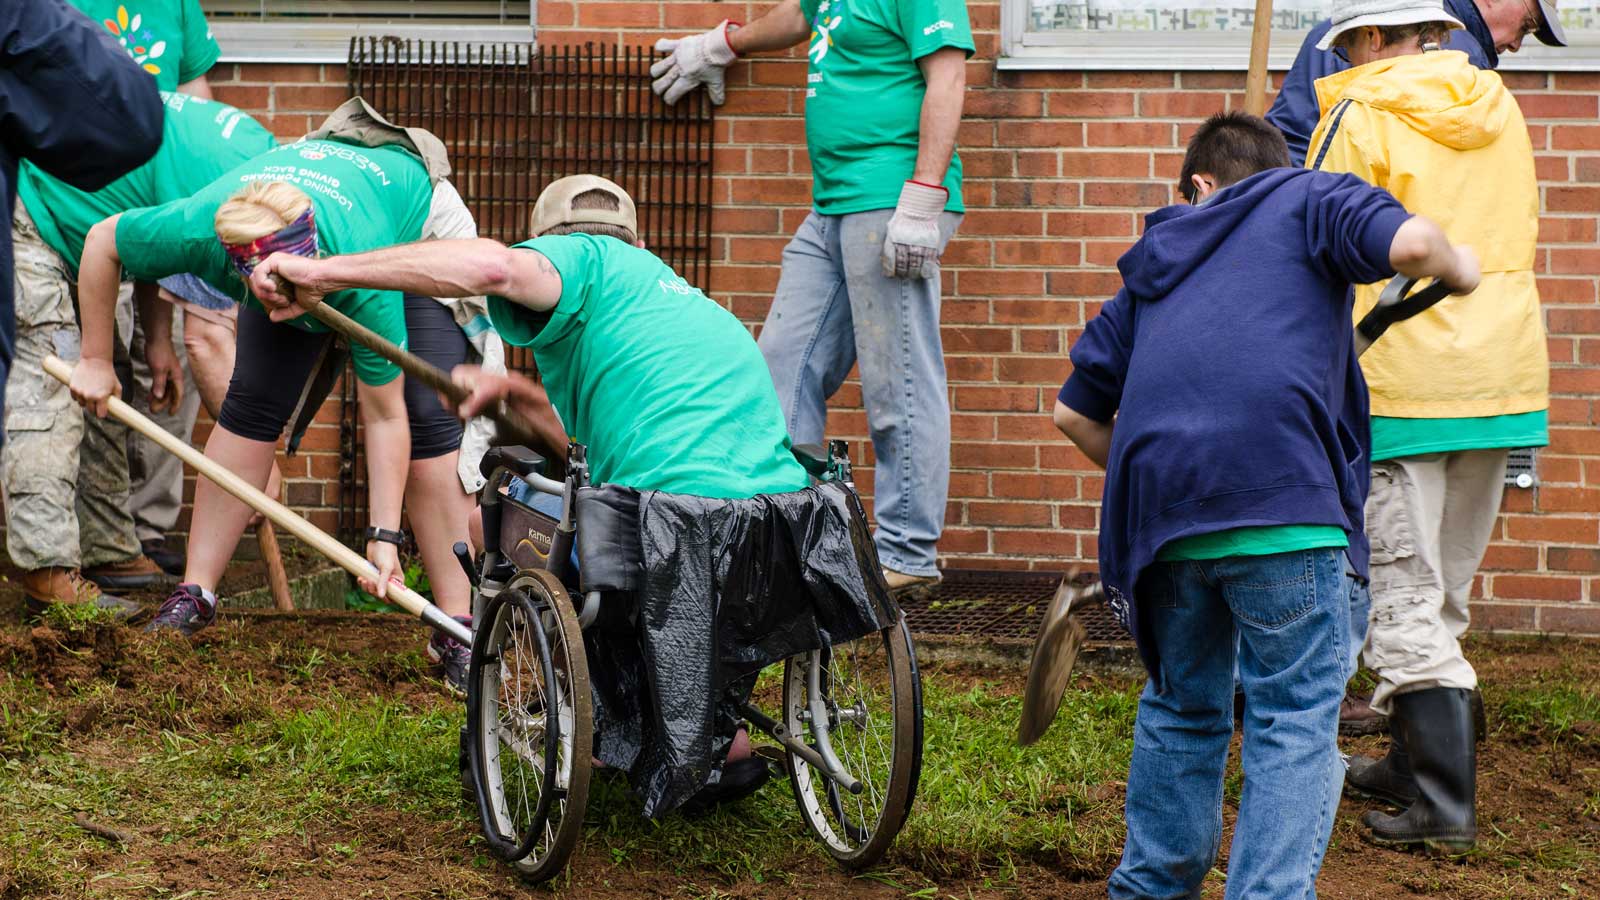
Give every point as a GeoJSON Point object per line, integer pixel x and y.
{"type": "Point", "coordinates": [1292, 611]}
{"type": "Point", "coordinates": [835, 307]}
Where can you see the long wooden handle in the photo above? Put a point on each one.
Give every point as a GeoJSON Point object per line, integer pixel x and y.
{"type": "Point", "coordinates": [272, 559]}
{"type": "Point", "coordinates": [513, 427]}
{"type": "Point", "coordinates": [277, 513]}
{"type": "Point", "coordinates": [1255, 83]}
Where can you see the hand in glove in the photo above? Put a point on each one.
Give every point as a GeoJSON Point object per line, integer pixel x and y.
{"type": "Point", "coordinates": [911, 249]}
{"type": "Point", "coordinates": [695, 60]}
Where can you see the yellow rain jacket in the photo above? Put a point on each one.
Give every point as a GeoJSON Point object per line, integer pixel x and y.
{"type": "Point", "coordinates": [1448, 140]}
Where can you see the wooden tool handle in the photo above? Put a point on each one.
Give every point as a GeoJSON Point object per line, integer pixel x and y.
{"type": "Point", "coordinates": [1255, 83]}
{"type": "Point", "coordinates": [277, 513]}
{"type": "Point", "coordinates": [513, 427]}
{"type": "Point", "coordinates": [272, 560]}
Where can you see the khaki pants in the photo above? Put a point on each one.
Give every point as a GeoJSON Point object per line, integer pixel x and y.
{"type": "Point", "coordinates": [1429, 518]}
{"type": "Point", "coordinates": [156, 476]}
{"type": "Point", "coordinates": [58, 512]}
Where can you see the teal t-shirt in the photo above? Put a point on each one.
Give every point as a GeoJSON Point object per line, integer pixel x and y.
{"type": "Point", "coordinates": [864, 96]}
{"type": "Point", "coordinates": [1393, 437]}
{"type": "Point", "coordinates": [200, 140]}
{"type": "Point", "coordinates": [167, 38]}
{"type": "Point", "coordinates": [365, 198]}
{"type": "Point", "coordinates": [1254, 541]}
{"type": "Point", "coordinates": [666, 388]}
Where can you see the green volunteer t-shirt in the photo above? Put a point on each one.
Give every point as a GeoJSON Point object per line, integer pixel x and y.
{"type": "Point", "coordinates": [665, 388]}
{"type": "Point", "coordinates": [864, 96]}
{"type": "Point", "coordinates": [1262, 540]}
{"type": "Point", "coordinates": [201, 139]}
{"type": "Point", "coordinates": [1392, 437]}
{"type": "Point", "coordinates": [167, 38]}
{"type": "Point", "coordinates": [365, 198]}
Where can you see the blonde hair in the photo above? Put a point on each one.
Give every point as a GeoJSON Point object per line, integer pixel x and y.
{"type": "Point", "coordinates": [262, 208]}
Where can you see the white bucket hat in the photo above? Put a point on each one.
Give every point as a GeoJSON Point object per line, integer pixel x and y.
{"type": "Point", "coordinates": [1348, 14]}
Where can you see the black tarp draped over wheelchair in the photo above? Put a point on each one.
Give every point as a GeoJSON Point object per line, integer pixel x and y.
{"type": "Point", "coordinates": [720, 590]}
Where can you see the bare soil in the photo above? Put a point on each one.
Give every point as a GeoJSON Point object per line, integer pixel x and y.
{"type": "Point", "coordinates": [1538, 792]}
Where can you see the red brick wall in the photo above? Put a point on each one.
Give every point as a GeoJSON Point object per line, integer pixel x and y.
{"type": "Point", "coordinates": [1059, 168]}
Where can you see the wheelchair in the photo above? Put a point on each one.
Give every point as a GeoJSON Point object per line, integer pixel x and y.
{"type": "Point", "coordinates": [849, 730]}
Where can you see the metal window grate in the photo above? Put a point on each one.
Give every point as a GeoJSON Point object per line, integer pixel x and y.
{"type": "Point", "coordinates": [1522, 468]}
{"type": "Point", "coordinates": [1001, 605]}
{"type": "Point", "coordinates": [513, 120]}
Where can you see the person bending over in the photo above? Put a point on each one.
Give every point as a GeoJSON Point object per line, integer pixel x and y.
{"type": "Point", "coordinates": [311, 196]}
{"type": "Point", "coordinates": [1220, 391]}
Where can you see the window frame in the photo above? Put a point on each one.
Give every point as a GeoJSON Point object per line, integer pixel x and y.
{"type": "Point", "coordinates": [244, 41]}
{"type": "Point", "coordinates": [1225, 51]}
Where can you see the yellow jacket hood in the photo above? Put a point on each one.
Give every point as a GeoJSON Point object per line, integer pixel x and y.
{"type": "Point", "coordinates": [1438, 94]}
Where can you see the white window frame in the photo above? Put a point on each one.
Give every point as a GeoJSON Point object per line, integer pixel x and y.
{"type": "Point", "coordinates": [1225, 51]}
{"type": "Point", "coordinates": [280, 42]}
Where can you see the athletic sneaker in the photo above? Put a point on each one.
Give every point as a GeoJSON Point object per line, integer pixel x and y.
{"type": "Point", "coordinates": [452, 657]}
{"type": "Point", "coordinates": [186, 611]}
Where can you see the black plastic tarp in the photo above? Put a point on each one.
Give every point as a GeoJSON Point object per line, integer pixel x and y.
{"type": "Point", "coordinates": [701, 595]}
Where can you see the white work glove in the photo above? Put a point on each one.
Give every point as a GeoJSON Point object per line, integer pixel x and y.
{"type": "Point", "coordinates": [695, 60]}
{"type": "Point", "coordinates": [911, 248]}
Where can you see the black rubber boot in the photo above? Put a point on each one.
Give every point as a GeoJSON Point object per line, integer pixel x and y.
{"type": "Point", "coordinates": [1439, 738]}
{"type": "Point", "coordinates": [1480, 719]}
{"type": "Point", "coordinates": [1386, 780]}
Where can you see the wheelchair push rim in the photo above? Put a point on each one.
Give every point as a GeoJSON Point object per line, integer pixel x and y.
{"type": "Point", "coordinates": [530, 768]}
{"type": "Point", "coordinates": [859, 704]}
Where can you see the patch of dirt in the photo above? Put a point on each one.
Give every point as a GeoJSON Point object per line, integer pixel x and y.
{"type": "Point", "coordinates": [1536, 797]}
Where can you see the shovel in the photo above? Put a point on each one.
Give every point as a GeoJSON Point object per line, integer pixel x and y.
{"type": "Point", "coordinates": [1061, 636]}
{"type": "Point", "coordinates": [275, 512]}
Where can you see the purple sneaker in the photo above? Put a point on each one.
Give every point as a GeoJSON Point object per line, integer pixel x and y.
{"type": "Point", "coordinates": [452, 657]}
{"type": "Point", "coordinates": [186, 611]}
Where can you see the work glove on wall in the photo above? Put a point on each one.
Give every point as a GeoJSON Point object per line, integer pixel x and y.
{"type": "Point", "coordinates": [911, 248]}
{"type": "Point", "coordinates": [694, 60]}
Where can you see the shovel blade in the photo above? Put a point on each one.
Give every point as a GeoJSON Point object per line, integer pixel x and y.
{"type": "Point", "coordinates": [1055, 651]}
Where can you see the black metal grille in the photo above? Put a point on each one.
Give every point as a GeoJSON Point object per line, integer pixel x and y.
{"type": "Point", "coordinates": [513, 120]}
{"type": "Point", "coordinates": [1002, 605]}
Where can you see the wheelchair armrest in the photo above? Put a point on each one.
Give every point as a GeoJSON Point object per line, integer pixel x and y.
{"type": "Point", "coordinates": [520, 461]}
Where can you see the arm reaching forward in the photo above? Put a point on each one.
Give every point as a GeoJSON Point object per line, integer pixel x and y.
{"type": "Point", "coordinates": [288, 285]}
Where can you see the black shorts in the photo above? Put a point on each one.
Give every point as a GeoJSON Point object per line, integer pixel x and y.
{"type": "Point", "coordinates": [274, 362]}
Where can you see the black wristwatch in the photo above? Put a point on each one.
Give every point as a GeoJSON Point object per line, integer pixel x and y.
{"type": "Point", "coordinates": [397, 538]}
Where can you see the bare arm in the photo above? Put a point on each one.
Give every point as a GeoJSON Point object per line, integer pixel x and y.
{"type": "Point", "coordinates": [454, 268]}
{"type": "Point", "coordinates": [388, 448]}
{"type": "Point", "coordinates": [198, 87]}
{"type": "Point", "coordinates": [1420, 249]}
{"type": "Point", "coordinates": [520, 394]}
{"type": "Point", "coordinates": [945, 72]}
{"type": "Point", "coordinates": [99, 274]}
{"type": "Point", "coordinates": [782, 27]}
{"type": "Point", "coordinates": [166, 373]}
{"type": "Point", "coordinates": [1093, 438]}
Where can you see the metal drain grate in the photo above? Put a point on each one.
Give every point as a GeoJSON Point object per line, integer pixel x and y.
{"type": "Point", "coordinates": [1001, 604]}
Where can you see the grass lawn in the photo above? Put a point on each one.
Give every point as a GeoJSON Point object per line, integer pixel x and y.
{"type": "Point", "coordinates": [314, 757]}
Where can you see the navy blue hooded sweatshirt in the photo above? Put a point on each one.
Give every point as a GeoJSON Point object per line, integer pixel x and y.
{"type": "Point", "coordinates": [1228, 362]}
{"type": "Point", "coordinates": [1295, 111]}
{"type": "Point", "coordinates": [73, 102]}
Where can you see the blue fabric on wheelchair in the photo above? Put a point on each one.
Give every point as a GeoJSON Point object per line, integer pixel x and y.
{"type": "Point", "coordinates": [722, 589]}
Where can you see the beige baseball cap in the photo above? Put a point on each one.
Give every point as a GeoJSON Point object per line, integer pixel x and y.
{"type": "Point", "coordinates": [554, 206]}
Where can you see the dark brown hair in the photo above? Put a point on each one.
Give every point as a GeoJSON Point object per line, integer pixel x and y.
{"type": "Point", "coordinates": [1230, 147]}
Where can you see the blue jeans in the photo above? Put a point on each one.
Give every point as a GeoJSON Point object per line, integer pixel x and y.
{"type": "Point", "coordinates": [834, 307]}
{"type": "Point", "coordinates": [1292, 611]}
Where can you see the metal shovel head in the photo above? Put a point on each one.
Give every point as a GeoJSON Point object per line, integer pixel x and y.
{"type": "Point", "coordinates": [1055, 652]}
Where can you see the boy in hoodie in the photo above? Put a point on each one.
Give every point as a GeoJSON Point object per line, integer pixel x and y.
{"type": "Point", "coordinates": [1452, 392]}
{"type": "Point", "coordinates": [1220, 391]}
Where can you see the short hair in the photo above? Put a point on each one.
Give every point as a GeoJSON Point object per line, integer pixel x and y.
{"type": "Point", "coordinates": [260, 209]}
{"type": "Point", "coordinates": [595, 199]}
{"type": "Point", "coordinates": [1419, 32]}
{"type": "Point", "coordinates": [1230, 147]}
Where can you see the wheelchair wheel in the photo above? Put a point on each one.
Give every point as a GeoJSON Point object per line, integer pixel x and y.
{"type": "Point", "coordinates": [530, 724]}
{"type": "Point", "coordinates": [864, 700]}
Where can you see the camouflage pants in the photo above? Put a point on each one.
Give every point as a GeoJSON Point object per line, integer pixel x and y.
{"type": "Point", "coordinates": [58, 512]}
